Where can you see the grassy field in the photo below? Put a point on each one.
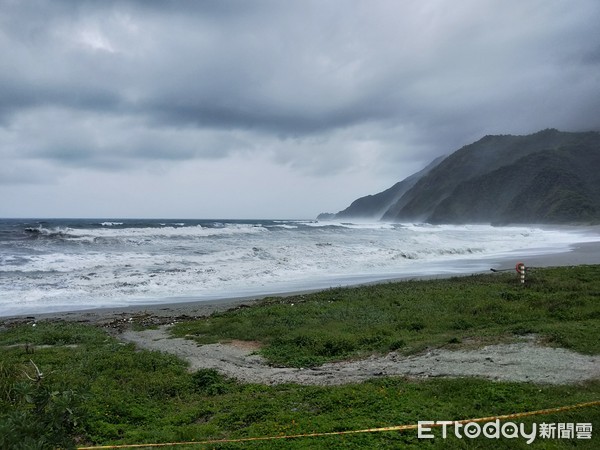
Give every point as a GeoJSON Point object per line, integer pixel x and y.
{"type": "Point", "coordinates": [561, 305]}
{"type": "Point", "coordinates": [97, 390]}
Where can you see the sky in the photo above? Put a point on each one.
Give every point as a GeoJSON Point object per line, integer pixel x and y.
{"type": "Point", "coordinates": [271, 109]}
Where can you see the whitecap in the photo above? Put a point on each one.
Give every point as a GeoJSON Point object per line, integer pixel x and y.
{"type": "Point", "coordinates": [112, 266]}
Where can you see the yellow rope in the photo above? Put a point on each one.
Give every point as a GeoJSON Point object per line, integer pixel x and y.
{"type": "Point", "coordinates": [367, 430]}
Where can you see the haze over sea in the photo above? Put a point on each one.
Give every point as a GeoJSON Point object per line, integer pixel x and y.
{"type": "Point", "coordinates": [73, 264]}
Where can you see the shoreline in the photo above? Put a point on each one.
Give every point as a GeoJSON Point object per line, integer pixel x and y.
{"type": "Point", "coordinates": [579, 254]}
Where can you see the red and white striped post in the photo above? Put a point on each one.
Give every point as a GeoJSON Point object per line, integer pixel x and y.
{"type": "Point", "coordinates": [521, 270]}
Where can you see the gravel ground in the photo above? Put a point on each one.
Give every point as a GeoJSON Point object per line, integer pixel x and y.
{"type": "Point", "coordinates": [524, 361]}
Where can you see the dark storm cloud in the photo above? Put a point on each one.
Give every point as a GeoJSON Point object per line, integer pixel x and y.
{"type": "Point", "coordinates": [108, 83]}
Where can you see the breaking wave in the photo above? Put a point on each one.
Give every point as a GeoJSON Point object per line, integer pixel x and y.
{"type": "Point", "coordinates": [62, 265]}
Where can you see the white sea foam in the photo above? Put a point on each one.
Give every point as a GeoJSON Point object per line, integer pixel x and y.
{"type": "Point", "coordinates": [150, 232]}
{"type": "Point", "coordinates": [119, 265]}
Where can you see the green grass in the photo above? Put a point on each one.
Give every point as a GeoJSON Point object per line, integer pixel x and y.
{"type": "Point", "coordinates": [121, 395]}
{"type": "Point", "coordinates": [561, 305]}
{"type": "Point", "coordinates": [96, 390]}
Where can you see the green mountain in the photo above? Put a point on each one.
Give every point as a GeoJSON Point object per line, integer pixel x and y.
{"type": "Point", "coordinates": [376, 205]}
{"type": "Point", "coordinates": [546, 177]}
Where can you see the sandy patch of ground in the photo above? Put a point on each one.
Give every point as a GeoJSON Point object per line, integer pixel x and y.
{"type": "Point", "coordinates": [524, 361]}
{"type": "Point", "coordinates": [251, 346]}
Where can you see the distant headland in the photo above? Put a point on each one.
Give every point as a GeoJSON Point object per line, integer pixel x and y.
{"type": "Point", "coordinates": [549, 177]}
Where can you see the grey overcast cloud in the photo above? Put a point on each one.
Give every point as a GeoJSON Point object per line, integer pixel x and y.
{"type": "Point", "coordinates": [271, 109]}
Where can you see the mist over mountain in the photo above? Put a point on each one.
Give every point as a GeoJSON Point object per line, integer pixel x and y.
{"type": "Point", "coordinates": [546, 177]}
{"type": "Point", "coordinates": [375, 206]}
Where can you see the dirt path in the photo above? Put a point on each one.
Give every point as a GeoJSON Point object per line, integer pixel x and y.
{"type": "Point", "coordinates": [522, 361]}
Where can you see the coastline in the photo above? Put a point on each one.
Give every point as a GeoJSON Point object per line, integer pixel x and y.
{"type": "Point", "coordinates": [160, 313]}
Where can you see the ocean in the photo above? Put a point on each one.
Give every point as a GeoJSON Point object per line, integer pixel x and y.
{"type": "Point", "coordinates": [73, 264]}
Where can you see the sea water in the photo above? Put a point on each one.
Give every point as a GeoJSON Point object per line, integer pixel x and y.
{"type": "Point", "coordinates": [71, 264]}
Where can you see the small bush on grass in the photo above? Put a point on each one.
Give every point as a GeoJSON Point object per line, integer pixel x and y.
{"type": "Point", "coordinates": [37, 416]}
{"type": "Point", "coordinates": [211, 382]}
